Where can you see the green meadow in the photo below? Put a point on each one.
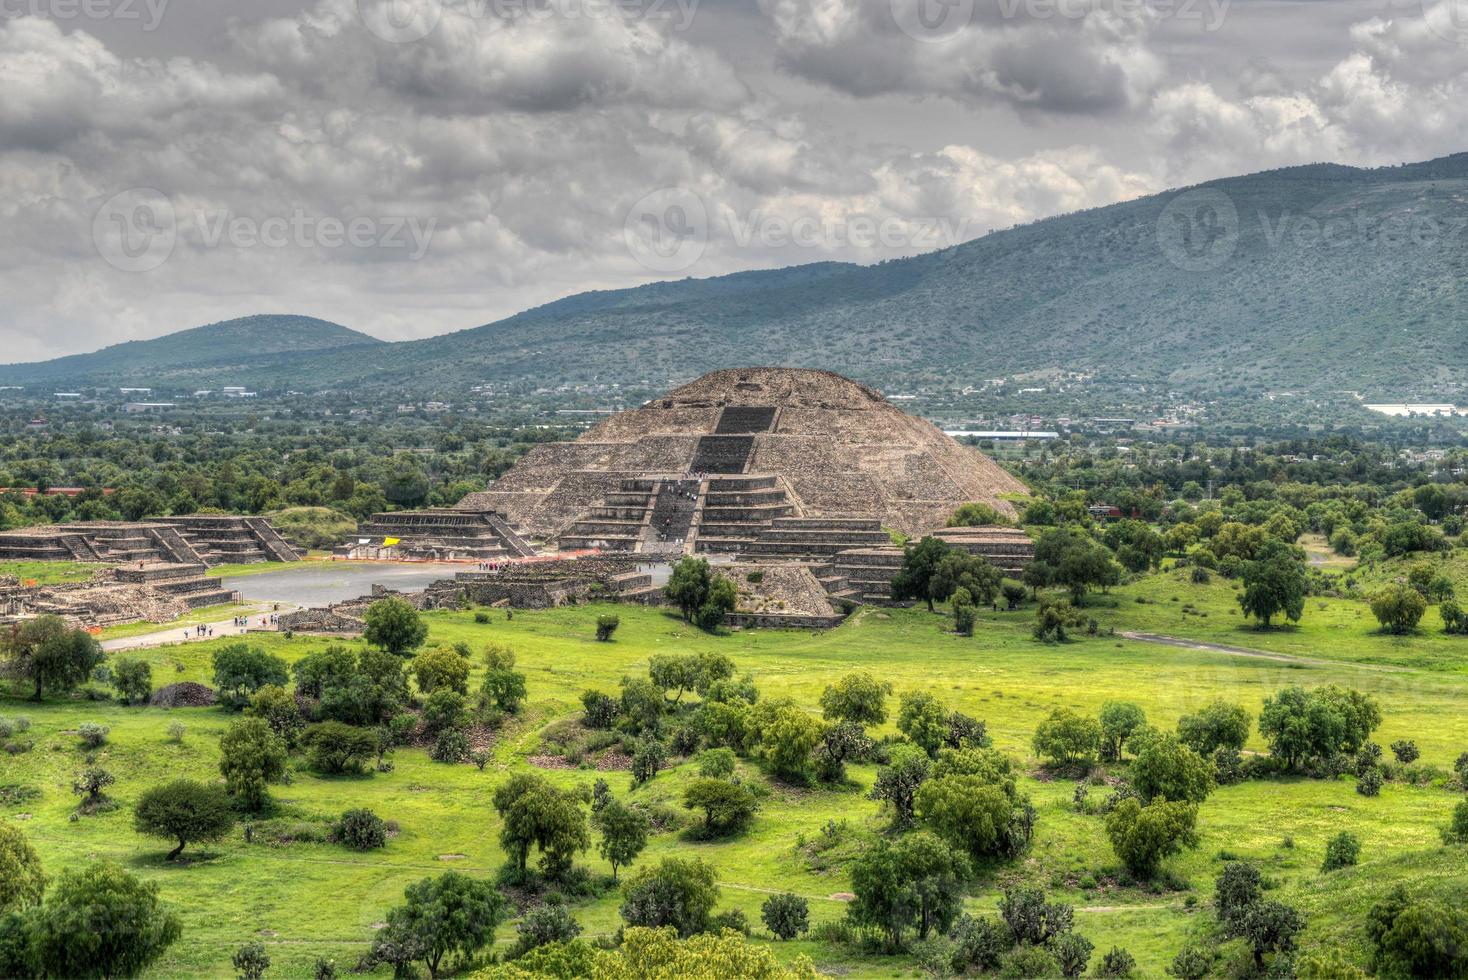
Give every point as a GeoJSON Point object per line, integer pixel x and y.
{"type": "Point", "coordinates": [304, 900]}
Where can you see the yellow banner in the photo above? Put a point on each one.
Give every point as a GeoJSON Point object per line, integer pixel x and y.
{"type": "Point", "coordinates": [389, 542]}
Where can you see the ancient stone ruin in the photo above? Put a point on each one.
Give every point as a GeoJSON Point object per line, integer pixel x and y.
{"type": "Point", "coordinates": [196, 539]}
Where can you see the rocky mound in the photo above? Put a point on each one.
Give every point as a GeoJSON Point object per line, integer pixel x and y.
{"type": "Point", "coordinates": [185, 694]}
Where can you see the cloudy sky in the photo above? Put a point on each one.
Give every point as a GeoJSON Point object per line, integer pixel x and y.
{"type": "Point", "coordinates": [411, 167]}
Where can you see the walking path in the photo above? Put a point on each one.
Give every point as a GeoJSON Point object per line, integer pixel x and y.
{"type": "Point", "coordinates": [1288, 658]}
{"type": "Point", "coordinates": [190, 633]}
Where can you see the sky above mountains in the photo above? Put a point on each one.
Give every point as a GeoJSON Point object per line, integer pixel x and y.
{"type": "Point", "coordinates": [410, 167]}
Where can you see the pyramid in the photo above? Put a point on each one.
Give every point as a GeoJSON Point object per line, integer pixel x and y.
{"type": "Point", "coordinates": [723, 459]}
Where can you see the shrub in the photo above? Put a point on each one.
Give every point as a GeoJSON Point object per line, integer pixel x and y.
{"type": "Point", "coordinates": [1456, 832]}
{"type": "Point", "coordinates": [442, 668]}
{"type": "Point", "coordinates": [605, 627]}
{"type": "Point", "coordinates": [979, 944]}
{"type": "Point", "coordinates": [1116, 963]}
{"type": "Point", "coordinates": [727, 808]}
{"type": "Point", "coordinates": [1418, 937]}
{"type": "Point", "coordinates": [541, 926]}
{"type": "Point", "coordinates": [100, 921]}
{"type": "Point", "coordinates": [452, 745]}
{"type": "Point", "coordinates": [1072, 951]}
{"type": "Point", "coordinates": [1341, 851]}
{"type": "Point", "coordinates": [1030, 919]}
{"type": "Point", "coordinates": [786, 916]}
{"type": "Point", "coordinates": [481, 617]}
{"type": "Point", "coordinates": [964, 618]}
{"type": "Point", "coordinates": [250, 757]}
{"type": "Point", "coordinates": [1398, 608]}
{"type": "Point", "coordinates": [278, 708]}
{"type": "Point", "coordinates": [504, 687]}
{"type": "Point", "coordinates": [646, 761]}
{"type": "Point", "coordinates": [251, 961]}
{"type": "Point", "coordinates": [89, 785]}
{"type": "Point", "coordinates": [1067, 739]}
{"type": "Point", "coordinates": [1143, 836]}
{"type": "Point", "coordinates": [93, 734]}
{"type": "Point", "coordinates": [443, 709]}
{"type": "Point", "coordinates": [716, 763]}
{"type": "Point", "coordinates": [332, 747]}
{"type": "Point", "coordinates": [393, 625]}
{"type": "Point", "coordinates": [1191, 963]}
{"type": "Point", "coordinates": [1405, 750]}
{"type": "Point", "coordinates": [600, 709]}
{"type": "Point", "coordinates": [1368, 783]}
{"type": "Point", "coordinates": [1028, 962]}
{"type": "Point", "coordinates": [361, 830]}
{"type": "Point", "coordinates": [677, 892]}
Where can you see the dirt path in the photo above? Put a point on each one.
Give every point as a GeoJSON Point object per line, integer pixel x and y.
{"type": "Point", "coordinates": [1287, 658]}
{"type": "Point", "coordinates": [168, 635]}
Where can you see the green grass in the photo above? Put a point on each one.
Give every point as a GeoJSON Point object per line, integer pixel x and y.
{"type": "Point", "coordinates": [306, 900]}
{"type": "Point", "coordinates": [204, 614]}
{"type": "Point", "coordinates": [51, 572]}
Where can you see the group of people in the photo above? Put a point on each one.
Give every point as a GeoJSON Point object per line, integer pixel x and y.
{"type": "Point", "coordinates": [202, 631]}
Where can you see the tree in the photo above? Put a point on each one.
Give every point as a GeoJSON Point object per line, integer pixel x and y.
{"type": "Point", "coordinates": [1274, 585]}
{"type": "Point", "coordinates": [680, 673]}
{"type": "Point", "coordinates": [392, 624]}
{"type": "Point", "coordinates": [101, 922]}
{"type": "Point", "coordinates": [133, 680]}
{"type": "Point", "coordinates": [600, 709]}
{"type": "Point", "coordinates": [534, 813]}
{"type": "Point", "coordinates": [1165, 768]}
{"type": "Point", "coordinates": [251, 961]}
{"type": "Point", "coordinates": [21, 879]}
{"type": "Point", "coordinates": [49, 655]}
{"type": "Point", "coordinates": [727, 808]}
{"type": "Point", "coordinates": [897, 783]}
{"type": "Point", "coordinates": [1143, 836]}
{"type": "Point", "coordinates": [335, 748]}
{"type": "Point", "coordinates": [361, 830]}
{"type": "Point", "coordinates": [451, 915]}
{"type": "Point", "coordinates": [1270, 927]}
{"type": "Point", "coordinates": [957, 570]}
{"type": "Point", "coordinates": [1405, 750]}
{"type": "Point", "coordinates": [605, 626]}
{"type": "Point", "coordinates": [1053, 618]}
{"type": "Point", "coordinates": [279, 709]}
{"type": "Point", "coordinates": [643, 705]}
{"type": "Point", "coordinates": [677, 892]}
{"type": "Point", "coordinates": [1456, 832]}
{"type": "Point", "coordinates": [1072, 559]}
{"type": "Point", "coordinates": [924, 720]}
{"type": "Point", "coordinates": [1067, 739]}
{"type": "Point", "coordinates": [858, 698]}
{"type": "Point", "coordinates": [1072, 951]}
{"type": "Point", "coordinates": [978, 515]}
{"type": "Point", "coordinates": [1341, 851]}
{"type": "Point", "coordinates": [984, 819]}
{"type": "Point", "coordinates": [1301, 725]}
{"type": "Point", "coordinates": [325, 668]}
{"type": "Point", "coordinates": [919, 563]}
{"type": "Point", "coordinates": [1398, 608]}
{"type": "Point", "coordinates": [89, 786]}
{"type": "Point", "coordinates": [250, 757]}
{"type": "Point", "coordinates": [1116, 963]}
{"type": "Point", "coordinates": [915, 883]}
{"type": "Point", "coordinates": [441, 668]}
{"type": "Point", "coordinates": [1418, 937]}
{"type": "Point", "coordinates": [701, 596]}
{"type": "Point", "coordinates": [542, 926]}
{"type": "Point", "coordinates": [373, 691]}
{"type": "Point", "coordinates": [1119, 721]}
{"type": "Point", "coordinates": [623, 834]}
{"type": "Point", "coordinates": [443, 709]}
{"type": "Point", "coordinates": [1218, 724]}
{"type": "Point", "coordinates": [787, 740]}
{"type": "Point", "coordinates": [241, 669]}
{"type": "Point", "coordinates": [184, 811]}
{"type": "Point", "coordinates": [786, 916]}
{"type": "Point", "coordinates": [504, 686]}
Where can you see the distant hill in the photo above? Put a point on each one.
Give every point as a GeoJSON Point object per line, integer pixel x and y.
{"type": "Point", "coordinates": [230, 347]}
{"type": "Point", "coordinates": [1332, 278]}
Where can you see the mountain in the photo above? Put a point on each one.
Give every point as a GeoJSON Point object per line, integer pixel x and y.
{"type": "Point", "coordinates": [209, 353]}
{"type": "Point", "coordinates": [1318, 278]}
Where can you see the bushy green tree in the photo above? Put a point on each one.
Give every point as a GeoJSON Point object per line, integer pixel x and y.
{"type": "Point", "coordinates": [101, 921]}
{"type": "Point", "coordinates": [503, 688]}
{"type": "Point", "coordinates": [1143, 836]}
{"type": "Point", "coordinates": [858, 698]}
{"type": "Point", "coordinates": [924, 720]}
{"type": "Point", "coordinates": [914, 884]}
{"type": "Point", "coordinates": [241, 669]}
{"type": "Point", "coordinates": [919, 564]}
{"type": "Point", "coordinates": [676, 892]}
{"type": "Point", "coordinates": [533, 813]}
{"type": "Point", "coordinates": [1398, 608]}
{"type": "Point", "coordinates": [1301, 725]}
{"type": "Point", "coordinates": [49, 655]}
{"type": "Point", "coordinates": [133, 679]}
{"type": "Point", "coordinates": [184, 811]}
{"type": "Point", "coordinates": [1067, 739]}
{"type": "Point", "coordinates": [441, 668]}
{"type": "Point", "coordinates": [251, 756]}
{"type": "Point", "coordinates": [452, 915]}
{"type": "Point", "coordinates": [623, 834]}
{"type": "Point", "coordinates": [335, 748]}
{"type": "Point", "coordinates": [278, 708]}
{"type": "Point", "coordinates": [1120, 720]}
{"type": "Point", "coordinates": [1274, 585]}
{"type": "Point", "coordinates": [21, 879]}
{"type": "Point", "coordinates": [727, 808]}
{"type": "Point", "coordinates": [1419, 937]}
{"type": "Point", "coordinates": [897, 783]}
{"type": "Point", "coordinates": [1166, 768]}
{"type": "Point", "coordinates": [392, 624]}
{"type": "Point", "coordinates": [1218, 724]}
{"type": "Point", "coordinates": [786, 916]}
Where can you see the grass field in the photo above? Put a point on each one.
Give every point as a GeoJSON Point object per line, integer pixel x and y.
{"type": "Point", "coordinates": [305, 900]}
{"type": "Point", "coordinates": [51, 572]}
